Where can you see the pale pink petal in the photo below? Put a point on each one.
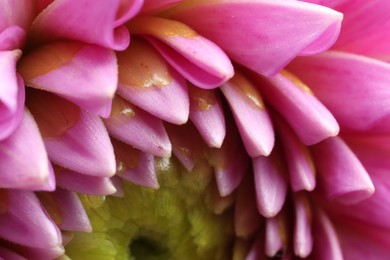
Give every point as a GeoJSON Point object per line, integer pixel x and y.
{"type": "Point", "coordinates": [249, 30]}
{"type": "Point", "coordinates": [198, 59]}
{"type": "Point", "coordinates": [23, 159]}
{"type": "Point", "coordinates": [118, 184]}
{"type": "Point", "coordinates": [44, 253]}
{"type": "Point", "coordinates": [25, 222]}
{"type": "Point", "coordinates": [155, 6]}
{"type": "Point", "coordinates": [73, 215]}
{"type": "Point", "coordinates": [11, 93]}
{"type": "Point", "coordinates": [64, 68]}
{"type": "Point", "coordinates": [135, 166]}
{"type": "Point", "coordinates": [342, 176]}
{"type": "Point", "coordinates": [270, 184]}
{"type": "Point", "coordinates": [6, 253]}
{"type": "Point", "coordinates": [333, 77]}
{"type": "Point", "coordinates": [303, 238]}
{"type": "Point", "coordinates": [138, 128]}
{"type": "Point", "coordinates": [148, 82]}
{"type": "Point", "coordinates": [251, 116]}
{"type": "Point", "coordinates": [230, 163]}
{"type": "Point", "coordinates": [206, 113]}
{"type": "Point", "coordinates": [85, 148]}
{"type": "Point", "coordinates": [19, 13]}
{"type": "Point", "coordinates": [12, 38]}
{"type": "Point", "coordinates": [273, 237]}
{"type": "Point", "coordinates": [366, 28]}
{"type": "Point", "coordinates": [97, 22]}
{"type": "Point", "coordinates": [247, 219]}
{"type": "Point", "coordinates": [326, 243]}
{"type": "Point", "coordinates": [299, 160]}
{"type": "Point", "coordinates": [84, 184]}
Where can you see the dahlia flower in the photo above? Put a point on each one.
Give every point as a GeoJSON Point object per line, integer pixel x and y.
{"type": "Point", "coordinates": [221, 129]}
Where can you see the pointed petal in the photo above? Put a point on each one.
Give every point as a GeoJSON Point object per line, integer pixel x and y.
{"type": "Point", "coordinates": [333, 75]}
{"type": "Point", "coordinates": [64, 68]}
{"type": "Point", "coordinates": [44, 253]}
{"type": "Point", "coordinates": [138, 128]}
{"type": "Point", "coordinates": [262, 35]}
{"type": "Point", "coordinates": [118, 184]}
{"type": "Point", "coordinates": [303, 238]}
{"type": "Point", "coordinates": [148, 82]}
{"type": "Point", "coordinates": [299, 160]}
{"type": "Point", "coordinates": [342, 175]}
{"type": "Point", "coordinates": [11, 93]}
{"type": "Point", "coordinates": [96, 22]}
{"type": "Point", "coordinates": [84, 148]}
{"type": "Point", "coordinates": [36, 230]}
{"type": "Point", "coordinates": [273, 237]}
{"type": "Point", "coordinates": [99, 186]}
{"type": "Point", "coordinates": [297, 104]}
{"type": "Point", "coordinates": [270, 184]}
{"type": "Point", "coordinates": [251, 117]}
{"type": "Point", "coordinates": [20, 167]}
{"type": "Point", "coordinates": [135, 166]}
{"type": "Point", "coordinates": [196, 58]}
{"type": "Point", "coordinates": [206, 113]}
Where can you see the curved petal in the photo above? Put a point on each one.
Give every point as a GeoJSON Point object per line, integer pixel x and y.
{"type": "Point", "coordinates": [11, 93]}
{"type": "Point", "coordinates": [199, 60]}
{"type": "Point", "coordinates": [354, 88]}
{"type": "Point", "coordinates": [85, 148]}
{"type": "Point", "coordinates": [19, 13]}
{"type": "Point", "coordinates": [6, 253]}
{"type": "Point", "coordinates": [65, 68]}
{"type": "Point", "coordinates": [303, 237]}
{"type": "Point", "coordinates": [138, 128]}
{"type": "Point", "coordinates": [23, 159]}
{"type": "Point", "coordinates": [262, 35]}
{"type": "Point", "coordinates": [147, 81]}
{"type": "Point", "coordinates": [97, 22]}
{"type": "Point", "coordinates": [12, 38]}
{"type": "Point", "coordinates": [250, 114]}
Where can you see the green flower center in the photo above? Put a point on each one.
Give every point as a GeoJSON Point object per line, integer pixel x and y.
{"type": "Point", "coordinates": [176, 221]}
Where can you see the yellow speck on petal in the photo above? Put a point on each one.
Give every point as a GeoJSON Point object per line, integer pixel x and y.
{"type": "Point", "coordinates": [248, 90]}
{"type": "Point", "coordinates": [205, 99]}
{"type": "Point", "coordinates": [297, 82]}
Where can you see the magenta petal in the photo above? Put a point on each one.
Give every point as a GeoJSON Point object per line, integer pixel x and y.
{"type": "Point", "coordinates": [11, 94]}
{"type": "Point", "coordinates": [84, 184]}
{"type": "Point", "coordinates": [36, 230]}
{"type": "Point", "coordinates": [89, 21]}
{"type": "Point", "coordinates": [249, 30]}
{"type": "Point", "coordinates": [12, 38]}
{"type": "Point", "coordinates": [299, 160]}
{"type": "Point", "coordinates": [63, 68]}
{"type": "Point", "coordinates": [44, 253]}
{"type": "Point", "coordinates": [85, 148]}
{"type": "Point", "coordinates": [206, 113]}
{"type": "Point", "coordinates": [342, 175]}
{"type": "Point", "coordinates": [303, 238]}
{"type": "Point", "coordinates": [251, 117]}
{"type": "Point", "coordinates": [273, 237]}
{"type": "Point", "coordinates": [295, 101]}
{"type": "Point", "coordinates": [8, 254]}
{"type": "Point", "coordinates": [138, 128]}
{"type": "Point", "coordinates": [333, 75]}
{"type": "Point", "coordinates": [271, 186]}
{"type": "Point", "coordinates": [326, 243]}
{"type": "Point", "coordinates": [73, 215]}
{"type": "Point", "coordinates": [21, 168]}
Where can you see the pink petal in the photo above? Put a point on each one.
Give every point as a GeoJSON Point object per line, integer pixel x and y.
{"type": "Point", "coordinates": [354, 88]}
{"type": "Point", "coordinates": [342, 175]}
{"type": "Point", "coordinates": [97, 22]}
{"type": "Point", "coordinates": [138, 128]}
{"type": "Point", "coordinates": [303, 238]}
{"type": "Point", "coordinates": [155, 6]}
{"type": "Point", "coordinates": [85, 148]}
{"type": "Point", "coordinates": [206, 113]}
{"type": "Point", "coordinates": [92, 185]}
{"type": "Point", "coordinates": [326, 243]}
{"type": "Point", "coordinates": [11, 93]}
{"type": "Point", "coordinates": [19, 13]}
{"type": "Point", "coordinates": [64, 68]}
{"type": "Point", "coordinates": [299, 160]}
{"type": "Point", "coordinates": [118, 184]}
{"type": "Point", "coordinates": [299, 107]}
{"type": "Point", "coordinates": [270, 184]}
{"type": "Point", "coordinates": [196, 58]}
{"type": "Point", "coordinates": [135, 166]}
{"type": "Point", "coordinates": [247, 219]}
{"type": "Point", "coordinates": [12, 38]}
{"type": "Point", "coordinates": [251, 117]}
{"type": "Point", "coordinates": [5, 253]}
{"type": "Point", "coordinates": [366, 28]}
{"type": "Point", "coordinates": [26, 223]}
{"type": "Point", "coordinates": [274, 235]}
{"type": "Point", "coordinates": [263, 35]}
{"type": "Point", "coordinates": [148, 82]}
{"type": "Point", "coordinates": [21, 168]}
{"type": "Point", "coordinates": [44, 253]}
